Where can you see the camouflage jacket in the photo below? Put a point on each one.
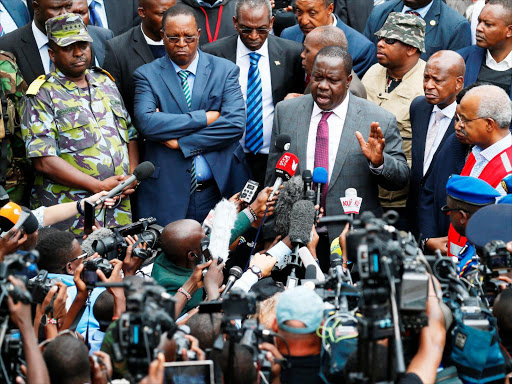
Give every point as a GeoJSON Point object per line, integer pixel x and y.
{"type": "Point", "coordinates": [88, 128]}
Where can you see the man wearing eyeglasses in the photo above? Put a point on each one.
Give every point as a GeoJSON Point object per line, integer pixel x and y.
{"type": "Point", "coordinates": [270, 68]}
{"type": "Point", "coordinates": [394, 82]}
{"type": "Point", "coordinates": [484, 116]}
{"type": "Point", "coordinates": [189, 107]}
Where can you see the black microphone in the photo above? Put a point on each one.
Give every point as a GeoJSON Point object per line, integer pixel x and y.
{"type": "Point", "coordinates": [234, 274]}
{"type": "Point", "coordinates": [335, 219]}
{"type": "Point", "coordinates": [310, 272]}
{"type": "Point", "coordinates": [307, 178]}
{"type": "Point", "coordinates": [141, 172]}
{"type": "Point", "coordinates": [283, 142]}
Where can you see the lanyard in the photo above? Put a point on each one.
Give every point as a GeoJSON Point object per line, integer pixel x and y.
{"type": "Point", "coordinates": [219, 18]}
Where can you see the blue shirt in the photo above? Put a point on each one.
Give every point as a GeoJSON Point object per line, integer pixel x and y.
{"type": "Point", "coordinates": [422, 11]}
{"type": "Point", "coordinates": [203, 170]}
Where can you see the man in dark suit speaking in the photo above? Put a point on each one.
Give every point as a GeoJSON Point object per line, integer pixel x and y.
{"type": "Point", "coordinates": [189, 107]}
{"type": "Point", "coordinates": [328, 129]}
{"type": "Point", "coordinates": [280, 72]}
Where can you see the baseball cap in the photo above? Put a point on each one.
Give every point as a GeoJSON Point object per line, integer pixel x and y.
{"type": "Point", "coordinates": [301, 304]}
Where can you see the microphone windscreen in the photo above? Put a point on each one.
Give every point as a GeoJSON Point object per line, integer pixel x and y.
{"type": "Point", "coordinates": [310, 272]}
{"type": "Point", "coordinates": [287, 166]}
{"type": "Point", "coordinates": [236, 271]}
{"type": "Point", "coordinates": [99, 234]}
{"type": "Point", "coordinates": [223, 222]}
{"type": "Point", "coordinates": [283, 142]}
{"type": "Point", "coordinates": [302, 218]}
{"type": "Point", "coordinates": [31, 224]}
{"type": "Point", "coordinates": [291, 192]}
{"type": "Point", "coordinates": [144, 170]}
{"type": "Point", "coordinates": [320, 175]}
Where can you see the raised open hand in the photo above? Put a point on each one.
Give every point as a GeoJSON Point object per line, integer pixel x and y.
{"type": "Point", "coordinates": [373, 150]}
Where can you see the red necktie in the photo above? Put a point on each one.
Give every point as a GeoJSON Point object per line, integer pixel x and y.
{"type": "Point", "coordinates": [413, 13]}
{"type": "Point", "coordinates": [322, 150]}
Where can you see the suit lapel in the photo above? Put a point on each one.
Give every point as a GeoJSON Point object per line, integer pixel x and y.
{"type": "Point", "coordinates": [141, 47]}
{"type": "Point", "coordinates": [170, 78]}
{"type": "Point", "coordinates": [277, 65]}
{"type": "Point", "coordinates": [31, 52]}
{"type": "Point", "coordinates": [303, 118]}
{"type": "Point", "coordinates": [202, 75]}
{"type": "Point", "coordinates": [348, 136]}
{"type": "Point", "coordinates": [432, 16]}
{"type": "Point", "coordinates": [422, 134]}
{"type": "Point", "coordinates": [17, 11]}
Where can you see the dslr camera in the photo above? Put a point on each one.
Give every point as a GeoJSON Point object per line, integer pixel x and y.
{"type": "Point", "coordinates": [89, 275]}
{"type": "Point", "coordinates": [39, 286]}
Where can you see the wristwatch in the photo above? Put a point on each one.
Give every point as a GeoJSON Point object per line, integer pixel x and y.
{"type": "Point", "coordinates": [257, 271]}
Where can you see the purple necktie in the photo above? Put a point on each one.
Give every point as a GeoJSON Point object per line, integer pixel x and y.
{"type": "Point", "coordinates": [322, 150]}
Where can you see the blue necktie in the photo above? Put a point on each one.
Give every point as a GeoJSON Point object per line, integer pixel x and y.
{"type": "Point", "coordinates": [254, 127]}
{"type": "Point", "coordinates": [94, 16]}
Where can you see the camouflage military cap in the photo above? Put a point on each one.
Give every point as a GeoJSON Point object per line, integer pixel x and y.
{"type": "Point", "coordinates": [409, 29]}
{"type": "Point", "coordinates": [67, 29]}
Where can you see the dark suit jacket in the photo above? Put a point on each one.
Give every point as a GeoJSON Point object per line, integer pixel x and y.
{"type": "Point", "coordinates": [450, 160]}
{"type": "Point", "coordinates": [286, 77]}
{"type": "Point", "coordinates": [100, 36]}
{"type": "Point", "coordinates": [166, 194]}
{"type": "Point", "coordinates": [446, 28]}
{"type": "Point", "coordinates": [18, 12]}
{"type": "Point", "coordinates": [124, 54]}
{"type": "Point", "coordinates": [351, 169]}
{"type": "Point", "coordinates": [363, 52]}
{"type": "Point", "coordinates": [354, 12]}
{"type": "Point", "coordinates": [121, 15]}
{"type": "Point", "coordinates": [420, 112]}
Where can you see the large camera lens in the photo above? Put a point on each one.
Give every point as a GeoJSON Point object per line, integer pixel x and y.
{"type": "Point", "coordinates": [105, 245]}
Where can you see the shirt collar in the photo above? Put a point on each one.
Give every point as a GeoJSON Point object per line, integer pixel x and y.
{"type": "Point", "coordinates": [496, 148]}
{"type": "Point", "coordinates": [422, 11]}
{"type": "Point", "coordinates": [192, 66]}
{"type": "Point", "coordinates": [448, 111]}
{"type": "Point", "coordinates": [208, 5]}
{"type": "Point", "coordinates": [41, 38]}
{"type": "Point", "coordinates": [507, 61]}
{"type": "Point", "coordinates": [149, 40]}
{"type": "Point", "coordinates": [71, 85]}
{"type": "Point", "coordinates": [242, 50]}
{"type": "Point", "coordinates": [335, 20]}
{"type": "Point", "coordinates": [340, 110]}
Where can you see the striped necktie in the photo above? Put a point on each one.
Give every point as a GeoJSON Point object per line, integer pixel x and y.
{"type": "Point", "coordinates": [184, 74]}
{"type": "Point", "coordinates": [94, 16]}
{"type": "Point", "coordinates": [254, 126]}
{"type": "Point", "coordinates": [412, 13]}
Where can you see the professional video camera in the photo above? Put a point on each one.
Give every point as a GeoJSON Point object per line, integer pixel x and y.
{"type": "Point", "coordinates": [114, 247]}
{"type": "Point", "coordinates": [149, 314]}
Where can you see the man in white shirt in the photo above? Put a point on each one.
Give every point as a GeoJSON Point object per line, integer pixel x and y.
{"type": "Point", "coordinates": [13, 15]}
{"type": "Point", "coordinates": [490, 60]}
{"type": "Point", "coordinates": [432, 121]}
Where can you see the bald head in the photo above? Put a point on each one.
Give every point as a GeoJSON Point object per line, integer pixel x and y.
{"type": "Point", "coordinates": [443, 78]}
{"type": "Point", "coordinates": [318, 38]}
{"type": "Point", "coordinates": [181, 238]}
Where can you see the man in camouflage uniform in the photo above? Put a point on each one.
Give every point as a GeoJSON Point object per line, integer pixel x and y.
{"type": "Point", "coordinates": [395, 81]}
{"type": "Point", "coordinates": [76, 129]}
{"type": "Point", "coordinates": [14, 166]}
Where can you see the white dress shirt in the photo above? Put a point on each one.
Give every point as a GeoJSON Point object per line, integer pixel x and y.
{"type": "Point", "coordinates": [42, 45]}
{"type": "Point", "coordinates": [336, 122]}
{"type": "Point", "coordinates": [150, 41]}
{"type": "Point", "coordinates": [503, 65]}
{"type": "Point", "coordinates": [422, 11]}
{"type": "Point", "coordinates": [100, 9]}
{"type": "Point", "coordinates": [6, 20]}
{"type": "Point", "coordinates": [448, 113]}
{"type": "Point", "coordinates": [483, 157]}
{"type": "Point", "coordinates": [243, 61]}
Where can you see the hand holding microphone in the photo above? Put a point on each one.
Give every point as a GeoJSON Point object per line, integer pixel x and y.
{"type": "Point", "coordinates": [285, 169]}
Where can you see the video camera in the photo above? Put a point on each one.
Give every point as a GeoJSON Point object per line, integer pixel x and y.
{"type": "Point", "coordinates": [114, 247]}
{"type": "Point", "coordinates": [39, 286]}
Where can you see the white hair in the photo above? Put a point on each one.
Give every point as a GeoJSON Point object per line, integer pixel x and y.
{"type": "Point", "coordinates": [494, 104]}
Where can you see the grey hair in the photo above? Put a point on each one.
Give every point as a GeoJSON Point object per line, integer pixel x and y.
{"type": "Point", "coordinates": [494, 104]}
{"type": "Point", "coordinates": [252, 4]}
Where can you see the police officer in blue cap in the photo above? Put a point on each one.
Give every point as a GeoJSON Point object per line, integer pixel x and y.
{"type": "Point", "coordinates": [465, 196]}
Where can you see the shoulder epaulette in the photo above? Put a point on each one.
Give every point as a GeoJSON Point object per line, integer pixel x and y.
{"type": "Point", "coordinates": [105, 72]}
{"type": "Point", "coordinates": [36, 84]}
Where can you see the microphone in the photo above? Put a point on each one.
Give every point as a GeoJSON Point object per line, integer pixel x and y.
{"type": "Point", "coordinates": [309, 194]}
{"type": "Point", "coordinates": [302, 218]}
{"type": "Point", "coordinates": [234, 274]}
{"type": "Point", "coordinates": [94, 242]}
{"type": "Point", "coordinates": [223, 222]}
{"type": "Point", "coordinates": [335, 219]}
{"type": "Point", "coordinates": [308, 261]}
{"type": "Point", "coordinates": [141, 172]}
{"type": "Point", "coordinates": [292, 191]}
{"type": "Point", "coordinates": [351, 203]}
{"type": "Point", "coordinates": [283, 142]}
{"type": "Point", "coordinates": [320, 177]}
{"type": "Point", "coordinates": [310, 272]}
{"type": "Point", "coordinates": [285, 169]}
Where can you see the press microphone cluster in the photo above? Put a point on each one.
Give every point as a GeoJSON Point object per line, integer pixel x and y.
{"type": "Point", "coordinates": [234, 274]}
{"type": "Point", "coordinates": [141, 172]}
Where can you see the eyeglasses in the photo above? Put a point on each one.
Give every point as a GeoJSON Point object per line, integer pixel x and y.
{"type": "Point", "coordinates": [74, 259]}
{"type": "Point", "coordinates": [447, 209]}
{"type": "Point", "coordinates": [463, 122]}
{"type": "Point", "coordinates": [387, 40]}
{"type": "Point", "coordinates": [177, 39]}
{"type": "Point", "coordinates": [259, 31]}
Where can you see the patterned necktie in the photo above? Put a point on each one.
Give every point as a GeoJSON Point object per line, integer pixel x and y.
{"type": "Point", "coordinates": [254, 126]}
{"type": "Point", "coordinates": [322, 150]}
{"type": "Point", "coordinates": [184, 74]}
{"type": "Point", "coordinates": [412, 13]}
{"type": "Point", "coordinates": [94, 16]}
{"type": "Point", "coordinates": [431, 136]}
